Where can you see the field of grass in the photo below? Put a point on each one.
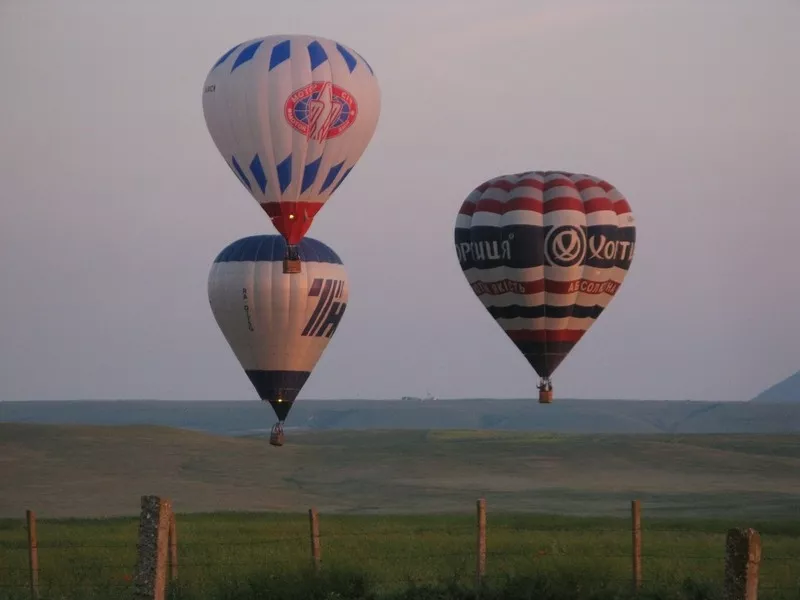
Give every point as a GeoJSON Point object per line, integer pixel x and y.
{"type": "Point", "coordinates": [101, 471]}
{"type": "Point", "coordinates": [397, 510]}
{"type": "Point", "coordinates": [564, 557]}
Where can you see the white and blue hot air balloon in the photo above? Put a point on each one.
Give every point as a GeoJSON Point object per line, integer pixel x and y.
{"type": "Point", "coordinates": [291, 115]}
{"type": "Point", "coordinates": [277, 324]}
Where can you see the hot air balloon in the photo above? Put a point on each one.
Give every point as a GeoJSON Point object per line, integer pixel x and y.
{"type": "Point", "coordinates": [277, 325]}
{"type": "Point", "coordinates": [545, 252]}
{"type": "Point", "coordinates": [291, 115]}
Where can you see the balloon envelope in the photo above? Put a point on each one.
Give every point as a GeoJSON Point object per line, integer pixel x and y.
{"type": "Point", "coordinates": [277, 325]}
{"type": "Point", "coordinates": [545, 251]}
{"type": "Point", "coordinates": [291, 115]}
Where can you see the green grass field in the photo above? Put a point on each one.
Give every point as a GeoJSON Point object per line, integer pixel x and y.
{"type": "Point", "coordinates": [101, 471]}
{"type": "Point", "coordinates": [581, 557]}
{"type": "Point", "coordinates": [397, 509]}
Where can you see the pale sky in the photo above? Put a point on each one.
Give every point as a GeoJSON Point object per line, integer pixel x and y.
{"type": "Point", "coordinates": [115, 200]}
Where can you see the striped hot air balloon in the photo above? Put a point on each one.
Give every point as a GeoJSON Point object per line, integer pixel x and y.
{"type": "Point", "coordinates": [291, 115]}
{"type": "Point", "coordinates": [278, 325]}
{"type": "Point", "coordinates": [545, 252]}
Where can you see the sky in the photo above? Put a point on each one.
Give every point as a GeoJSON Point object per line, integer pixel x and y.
{"type": "Point", "coordinates": [115, 200]}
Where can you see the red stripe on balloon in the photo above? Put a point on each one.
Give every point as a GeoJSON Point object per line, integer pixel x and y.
{"type": "Point", "coordinates": [510, 286]}
{"type": "Point", "coordinates": [545, 335]}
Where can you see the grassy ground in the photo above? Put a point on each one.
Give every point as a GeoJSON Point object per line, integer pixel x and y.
{"type": "Point", "coordinates": [397, 510]}
{"type": "Point", "coordinates": [75, 471]}
{"type": "Point", "coordinates": [386, 554]}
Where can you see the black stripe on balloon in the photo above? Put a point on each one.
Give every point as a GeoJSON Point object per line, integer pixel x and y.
{"type": "Point", "coordinates": [626, 234]}
{"type": "Point", "coordinates": [323, 302]}
{"type": "Point", "coordinates": [279, 388]}
{"type": "Point", "coordinates": [545, 357]}
{"type": "Point", "coordinates": [544, 310]}
{"type": "Point", "coordinates": [515, 246]}
{"type": "Point", "coordinates": [544, 347]}
{"type": "Point", "coordinates": [523, 246]}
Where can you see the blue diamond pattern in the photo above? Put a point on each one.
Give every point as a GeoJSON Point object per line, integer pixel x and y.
{"type": "Point", "coordinates": [280, 53]}
{"type": "Point", "coordinates": [331, 176]}
{"type": "Point", "coordinates": [225, 56]}
{"type": "Point", "coordinates": [258, 172]}
{"type": "Point", "coordinates": [346, 173]}
{"type": "Point", "coordinates": [365, 62]}
{"type": "Point", "coordinates": [246, 55]}
{"type": "Point", "coordinates": [240, 173]}
{"type": "Point", "coordinates": [310, 174]}
{"type": "Point", "coordinates": [317, 54]}
{"type": "Point", "coordinates": [285, 173]}
{"type": "Point", "coordinates": [348, 58]}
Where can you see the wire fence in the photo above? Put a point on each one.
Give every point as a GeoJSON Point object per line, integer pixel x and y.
{"type": "Point", "coordinates": [89, 558]}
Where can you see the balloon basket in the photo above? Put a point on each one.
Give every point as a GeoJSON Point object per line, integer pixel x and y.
{"type": "Point", "coordinates": [291, 265]}
{"type": "Point", "coordinates": [276, 437]}
{"type": "Point", "coordinates": [291, 259]}
{"type": "Point", "coordinates": [545, 396]}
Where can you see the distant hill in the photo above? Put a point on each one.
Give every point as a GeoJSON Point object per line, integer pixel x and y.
{"type": "Point", "coordinates": [784, 392]}
{"type": "Point", "coordinates": [82, 471]}
{"type": "Point", "coordinates": [238, 418]}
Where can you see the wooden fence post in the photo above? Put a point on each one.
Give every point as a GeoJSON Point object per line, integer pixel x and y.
{"type": "Point", "coordinates": [173, 547]}
{"type": "Point", "coordinates": [742, 560]}
{"type": "Point", "coordinates": [33, 553]}
{"type": "Point", "coordinates": [636, 528]}
{"type": "Point", "coordinates": [313, 519]}
{"type": "Point", "coordinates": [480, 569]}
{"type": "Point", "coordinates": [150, 580]}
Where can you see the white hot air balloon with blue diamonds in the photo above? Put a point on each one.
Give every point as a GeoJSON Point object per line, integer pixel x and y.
{"type": "Point", "coordinates": [278, 325]}
{"type": "Point", "coordinates": [291, 115]}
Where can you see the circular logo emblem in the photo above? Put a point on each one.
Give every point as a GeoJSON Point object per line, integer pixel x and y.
{"type": "Point", "coordinates": [565, 246]}
{"type": "Point", "coordinates": [320, 110]}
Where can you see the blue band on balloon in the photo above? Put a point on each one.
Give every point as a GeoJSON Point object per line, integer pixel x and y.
{"type": "Point", "coordinates": [272, 248]}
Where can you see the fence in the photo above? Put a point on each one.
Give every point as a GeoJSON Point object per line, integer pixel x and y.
{"type": "Point", "coordinates": [154, 559]}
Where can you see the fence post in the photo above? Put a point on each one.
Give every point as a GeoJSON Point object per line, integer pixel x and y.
{"type": "Point", "coordinates": [636, 523]}
{"type": "Point", "coordinates": [742, 560]}
{"type": "Point", "coordinates": [173, 547]}
{"type": "Point", "coordinates": [480, 569]}
{"type": "Point", "coordinates": [33, 553]}
{"type": "Point", "coordinates": [150, 580]}
{"type": "Point", "coordinates": [313, 519]}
